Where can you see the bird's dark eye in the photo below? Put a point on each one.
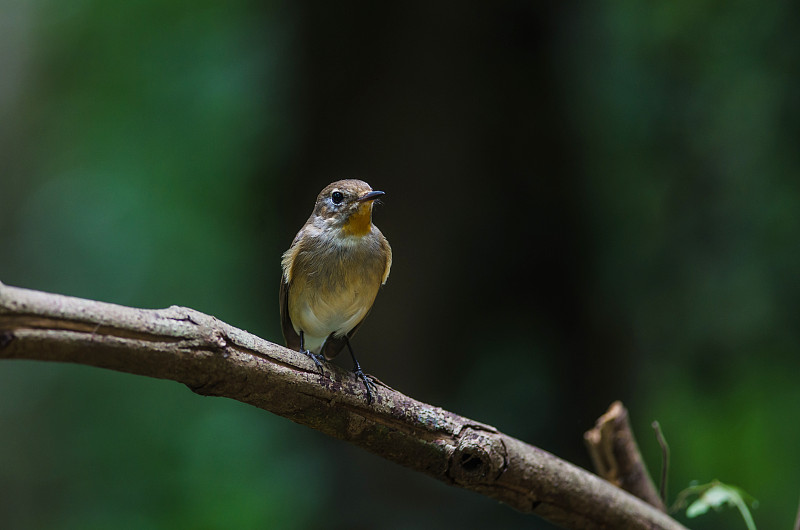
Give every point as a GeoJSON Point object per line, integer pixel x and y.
{"type": "Point", "coordinates": [337, 197]}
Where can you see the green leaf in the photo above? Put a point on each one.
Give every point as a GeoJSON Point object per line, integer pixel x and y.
{"type": "Point", "coordinates": [714, 497]}
{"type": "Point", "coordinates": [717, 495]}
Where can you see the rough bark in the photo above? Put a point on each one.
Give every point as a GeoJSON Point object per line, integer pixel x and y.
{"type": "Point", "coordinates": [213, 358]}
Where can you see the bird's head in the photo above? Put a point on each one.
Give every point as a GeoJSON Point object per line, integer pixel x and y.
{"type": "Point", "coordinates": [347, 205]}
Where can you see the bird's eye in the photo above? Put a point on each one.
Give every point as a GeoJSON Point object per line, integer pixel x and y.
{"type": "Point", "coordinates": [337, 197]}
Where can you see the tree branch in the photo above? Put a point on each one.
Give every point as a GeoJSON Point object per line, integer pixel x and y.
{"type": "Point", "coordinates": [215, 359]}
{"type": "Point", "coordinates": [616, 457]}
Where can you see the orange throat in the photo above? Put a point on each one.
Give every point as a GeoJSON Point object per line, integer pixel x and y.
{"type": "Point", "coordinates": [360, 222]}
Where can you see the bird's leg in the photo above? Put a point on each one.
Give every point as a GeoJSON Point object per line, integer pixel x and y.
{"type": "Point", "coordinates": [361, 375]}
{"type": "Point", "coordinates": [316, 357]}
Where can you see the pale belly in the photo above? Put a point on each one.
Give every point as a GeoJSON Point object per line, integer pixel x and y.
{"type": "Point", "coordinates": [325, 312]}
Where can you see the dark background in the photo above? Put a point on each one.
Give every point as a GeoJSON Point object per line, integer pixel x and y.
{"type": "Point", "coordinates": [586, 203]}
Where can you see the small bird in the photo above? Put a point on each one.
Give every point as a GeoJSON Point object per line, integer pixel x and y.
{"type": "Point", "coordinates": [332, 273]}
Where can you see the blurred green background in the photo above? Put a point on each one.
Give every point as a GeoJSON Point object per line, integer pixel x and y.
{"type": "Point", "coordinates": [586, 203]}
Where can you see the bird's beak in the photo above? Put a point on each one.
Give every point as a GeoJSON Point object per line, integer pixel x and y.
{"type": "Point", "coordinates": [371, 196]}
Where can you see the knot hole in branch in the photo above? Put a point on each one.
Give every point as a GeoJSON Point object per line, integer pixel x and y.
{"type": "Point", "coordinates": [479, 457]}
{"type": "Point", "coordinates": [470, 462]}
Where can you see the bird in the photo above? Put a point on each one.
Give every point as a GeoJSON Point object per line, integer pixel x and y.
{"type": "Point", "coordinates": [332, 272]}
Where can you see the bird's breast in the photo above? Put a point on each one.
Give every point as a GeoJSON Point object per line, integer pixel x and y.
{"type": "Point", "coordinates": [333, 287]}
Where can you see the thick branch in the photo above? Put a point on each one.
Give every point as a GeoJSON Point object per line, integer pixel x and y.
{"type": "Point", "coordinates": [215, 359]}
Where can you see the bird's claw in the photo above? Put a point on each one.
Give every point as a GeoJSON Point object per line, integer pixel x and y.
{"type": "Point", "coordinates": [369, 384]}
{"type": "Point", "coordinates": [316, 357]}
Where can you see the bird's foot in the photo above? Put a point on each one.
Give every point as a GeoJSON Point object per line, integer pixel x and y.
{"type": "Point", "coordinates": [369, 384]}
{"type": "Point", "coordinates": [316, 357]}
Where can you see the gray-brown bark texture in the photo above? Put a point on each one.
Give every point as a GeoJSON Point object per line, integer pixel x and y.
{"type": "Point", "coordinates": [215, 359]}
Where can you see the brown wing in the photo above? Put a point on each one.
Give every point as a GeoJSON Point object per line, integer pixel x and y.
{"type": "Point", "coordinates": [289, 334]}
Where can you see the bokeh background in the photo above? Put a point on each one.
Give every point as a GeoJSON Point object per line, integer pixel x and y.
{"type": "Point", "coordinates": [586, 203]}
